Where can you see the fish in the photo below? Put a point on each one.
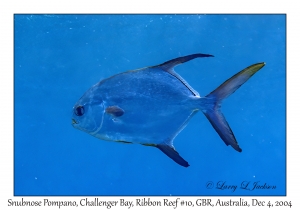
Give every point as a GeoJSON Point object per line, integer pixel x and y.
{"type": "Point", "coordinates": [152, 105]}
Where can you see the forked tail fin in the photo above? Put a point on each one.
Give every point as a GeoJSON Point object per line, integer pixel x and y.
{"type": "Point", "coordinates": [214, 99]}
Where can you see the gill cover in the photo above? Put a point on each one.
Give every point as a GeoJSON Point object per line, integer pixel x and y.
{"type": "Point", "coordinates": [88, 113]}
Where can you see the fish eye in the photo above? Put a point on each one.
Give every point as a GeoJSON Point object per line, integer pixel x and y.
{"type": "Point", "coordinates": [79, 110]}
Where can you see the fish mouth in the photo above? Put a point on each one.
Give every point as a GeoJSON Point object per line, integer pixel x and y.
{"type": "Point", "coordinates": [74, 122]}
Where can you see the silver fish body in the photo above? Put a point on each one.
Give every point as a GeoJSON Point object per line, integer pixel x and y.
{"type": "Point", "coordinates": [150, 106]}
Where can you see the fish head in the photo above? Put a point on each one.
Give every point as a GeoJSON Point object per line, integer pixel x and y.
{"type": "Point", "coordinates": [88, 112]}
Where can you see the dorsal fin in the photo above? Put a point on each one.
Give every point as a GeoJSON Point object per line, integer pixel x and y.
{"type": "Point", "coordinates": [169, 65]}
{"type": "Point", "coordinates": [176, 61]}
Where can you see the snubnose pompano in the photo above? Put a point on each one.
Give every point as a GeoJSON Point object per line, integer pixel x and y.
{"type": "Point", "coordinates": [150, 106]}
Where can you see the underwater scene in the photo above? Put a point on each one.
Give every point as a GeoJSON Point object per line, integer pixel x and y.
{"type": "Point", "coordinates": [201, 113]}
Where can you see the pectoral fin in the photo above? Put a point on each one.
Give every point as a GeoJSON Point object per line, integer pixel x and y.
{"type": "Point", "coordinates": [115, 111]}
{"type": "Point", "coordinates": [173, 154]}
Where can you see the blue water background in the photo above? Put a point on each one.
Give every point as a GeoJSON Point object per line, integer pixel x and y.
{"type": "Point", "coordinates": [58, 57]}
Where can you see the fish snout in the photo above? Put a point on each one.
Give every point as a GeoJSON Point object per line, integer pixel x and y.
{"type": "Point", "coordinates": [74, 122]}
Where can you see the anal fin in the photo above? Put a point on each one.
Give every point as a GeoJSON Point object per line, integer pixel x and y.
{"type": "Point", "coordinates": [173, 154]}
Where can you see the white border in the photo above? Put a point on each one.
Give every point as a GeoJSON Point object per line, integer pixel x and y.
{"type": "Point", "coordinates": [8, 8]}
